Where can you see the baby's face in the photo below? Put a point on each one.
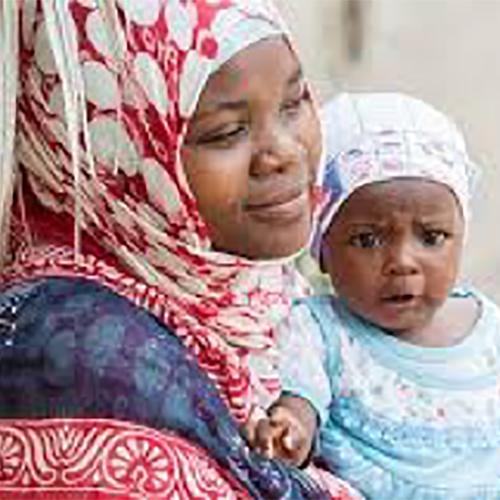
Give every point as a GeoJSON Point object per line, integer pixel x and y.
{"type": "Point", "coordinates": [393, 251]}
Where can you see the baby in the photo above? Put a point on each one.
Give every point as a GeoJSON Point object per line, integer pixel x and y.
{"type": "Point", "coordinates": [393, 382]}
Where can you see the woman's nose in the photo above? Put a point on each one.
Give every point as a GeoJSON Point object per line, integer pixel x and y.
{"type": "Point", "coordinates": [276, 149]}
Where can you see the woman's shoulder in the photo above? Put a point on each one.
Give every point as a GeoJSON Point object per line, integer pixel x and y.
{"type": "Point", "coordinates": [60, 287]}
{"type": "Point", "coordinates": [72, 312]}
{"type": "Point", "coordinates": [58, 296]}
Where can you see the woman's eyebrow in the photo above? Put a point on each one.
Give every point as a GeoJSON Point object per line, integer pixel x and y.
{"type": "Point", "coordinates": [216, 105]}
{"type": "Point", "coordinates": [221, 104]}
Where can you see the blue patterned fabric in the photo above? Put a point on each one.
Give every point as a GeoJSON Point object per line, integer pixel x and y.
{"type": "Point", "coordinates": [72, 348]}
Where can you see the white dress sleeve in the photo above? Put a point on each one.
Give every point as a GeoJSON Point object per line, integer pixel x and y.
{"type": "Point", "coordinates": [303, 359]}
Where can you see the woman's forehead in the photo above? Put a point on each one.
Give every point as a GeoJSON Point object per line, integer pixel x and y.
{"type": "Point", "coordinates": [266, 66]}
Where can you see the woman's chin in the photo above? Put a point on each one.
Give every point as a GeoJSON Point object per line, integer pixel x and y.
{"type": "Point", "coordinates": [281, 243]}
{"type": "Point", "coordinates": [264, 238]}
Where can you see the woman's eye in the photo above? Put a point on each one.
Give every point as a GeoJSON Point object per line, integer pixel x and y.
{"type": "Point", "coordinates": [365, 240]}
{"type": "Point", "coordinates": [434, 238]}
{"type": "Point", "coordinates": [291, 107]}
{"type": "Point", "coordinates": [224, 137]}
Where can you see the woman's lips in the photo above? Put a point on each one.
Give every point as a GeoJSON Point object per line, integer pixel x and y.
{"type": "Point", "coordinates": [282, 207]}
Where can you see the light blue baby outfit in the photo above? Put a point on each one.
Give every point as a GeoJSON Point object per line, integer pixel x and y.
{"type": "Point", "coordinates": [399, 421]}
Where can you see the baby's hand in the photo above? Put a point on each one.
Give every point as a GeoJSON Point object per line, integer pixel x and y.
{"type": "Point", "coordinates": [284, 433]}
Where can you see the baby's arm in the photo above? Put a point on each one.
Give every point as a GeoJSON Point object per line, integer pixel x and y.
{"type": "Point", "coordinates": [289, 428]}
{"type": "Point", "coordinates": [288, 432]}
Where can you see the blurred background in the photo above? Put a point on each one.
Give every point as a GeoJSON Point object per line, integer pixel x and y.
{"type": "Point", "coordinates": [446, 52]}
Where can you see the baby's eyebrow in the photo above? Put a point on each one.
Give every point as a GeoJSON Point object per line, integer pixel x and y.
{"type": "Point", "coordinates": [435, 221]}
{"type": "Point", "coordinates": [356, 225]}
{"type": "Point", "coordinates": [435, 216]}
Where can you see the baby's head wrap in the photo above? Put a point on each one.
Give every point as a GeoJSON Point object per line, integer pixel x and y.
{"type": "Point", "coordinates": [381, 136]}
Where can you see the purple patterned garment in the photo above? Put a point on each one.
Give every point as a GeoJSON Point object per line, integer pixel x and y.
{"type": "Point", "coordinates": [72, 348]}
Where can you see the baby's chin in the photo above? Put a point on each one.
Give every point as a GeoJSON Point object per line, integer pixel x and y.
{"type": "Point", "coordinates": [405, 326]}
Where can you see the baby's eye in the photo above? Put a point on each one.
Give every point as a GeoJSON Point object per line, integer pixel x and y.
{"type": "Point", "coordinates": [434, 238]}
{"type": "Point", "coordinates": [365, 240]}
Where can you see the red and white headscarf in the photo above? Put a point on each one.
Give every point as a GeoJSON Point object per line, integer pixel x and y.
{"type": "Point", "coordinates": [106, 89]}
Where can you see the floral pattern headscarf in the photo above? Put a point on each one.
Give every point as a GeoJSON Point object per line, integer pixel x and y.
{"type": "Point", "coordinates": [106, 89]}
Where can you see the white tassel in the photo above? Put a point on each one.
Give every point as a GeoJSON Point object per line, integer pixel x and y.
{"type": "Point", "coordinates": [62, 37]}
{"type": "Point", "coordinates": [9, 68]}
{"type": "Point", "coordinates": [63, 41]}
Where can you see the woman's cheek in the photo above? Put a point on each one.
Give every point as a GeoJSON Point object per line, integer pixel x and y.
{"type": "Point", "coordinates": [310, 137]}
{"type": "Point", "coordinates": [218, 178]}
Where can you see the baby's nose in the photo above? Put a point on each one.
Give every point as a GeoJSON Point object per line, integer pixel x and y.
{"type": "Point", "coordinates": [401, 259]}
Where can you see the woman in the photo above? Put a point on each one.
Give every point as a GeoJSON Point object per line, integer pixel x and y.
{"type": "Point", "coordinates": [166, 154]}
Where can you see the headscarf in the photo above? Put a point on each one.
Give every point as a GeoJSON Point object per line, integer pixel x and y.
{"type": "Point", "coordinates": [375, 137]}
{"type": "Point", "coordinates": [107, 88]}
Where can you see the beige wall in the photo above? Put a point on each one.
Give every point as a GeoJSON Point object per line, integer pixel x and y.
{"type": "Point", "coordinates": [444, 51]}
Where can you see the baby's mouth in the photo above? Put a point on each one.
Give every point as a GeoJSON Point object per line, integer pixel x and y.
{"type": "Point", "coordinates": [400, 298]}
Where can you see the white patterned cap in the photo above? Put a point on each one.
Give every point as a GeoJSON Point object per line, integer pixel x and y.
{"type": "Point", "coordinates": [374, 137]}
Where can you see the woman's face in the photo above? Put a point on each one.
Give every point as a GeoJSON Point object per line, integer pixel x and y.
{"type": "Point", "coordinates": [251, 152]}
